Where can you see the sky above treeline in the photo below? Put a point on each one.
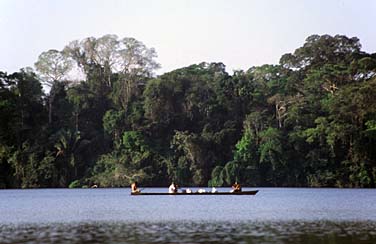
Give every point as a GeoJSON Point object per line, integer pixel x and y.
{"type": "Point", "coordinates": [239, 33]}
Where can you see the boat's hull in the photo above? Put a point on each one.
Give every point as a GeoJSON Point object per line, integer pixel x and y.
{"type": "Point", "coordinates": [194, 193]}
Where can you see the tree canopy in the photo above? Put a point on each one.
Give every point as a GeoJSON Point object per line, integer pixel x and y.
{"type": "Point", "coordinates": [308, 121]}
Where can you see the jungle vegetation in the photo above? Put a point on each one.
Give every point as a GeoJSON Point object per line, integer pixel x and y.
{"type": "Point", "coordinates": [308, 121]}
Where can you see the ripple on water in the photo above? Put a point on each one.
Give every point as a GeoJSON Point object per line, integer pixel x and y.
{"type": "Point", "coordinates": [191, 232]}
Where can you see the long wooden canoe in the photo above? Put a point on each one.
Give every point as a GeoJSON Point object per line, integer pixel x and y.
{"type": "Point", "coordinates": [194, 193]}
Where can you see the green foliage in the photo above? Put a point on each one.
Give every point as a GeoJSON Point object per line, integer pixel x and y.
{"type": "Point", "coordinates": [132, 161]}
{"type": "Point", "coordinates": [111, 122]}
{"type": "Point", "coordinates": [309, 121]}
{"type": "Point", "coordinates": [217, 177]}
{"type": "Point", "coordinates": [230, 172]}
{"type": "Point", "coordinates": [246, 149]}
{"type": "Point", "coordinates": [75, 184]}
{"type": "Point", "coordinates": [270, 147]}
{"type": "Point", "coordinates": [371, 128]}
{"type": "Point", "coordinates": [31, 168]}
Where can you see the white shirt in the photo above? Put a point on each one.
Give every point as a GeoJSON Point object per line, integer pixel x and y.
{"type": "Point", "coordinates": [171, 189]}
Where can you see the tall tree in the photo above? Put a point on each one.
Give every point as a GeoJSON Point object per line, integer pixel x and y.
{"type": "Point", "coordinates": [53, 67]}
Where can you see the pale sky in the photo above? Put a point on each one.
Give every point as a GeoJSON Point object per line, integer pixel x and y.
{"type": "Point", "coordinates": [239, 33]}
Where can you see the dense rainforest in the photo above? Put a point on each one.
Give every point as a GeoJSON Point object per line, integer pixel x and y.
{"type": "Point", "coordinates": [106, 119]}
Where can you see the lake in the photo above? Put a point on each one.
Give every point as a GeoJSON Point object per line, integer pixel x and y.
{"type": "Point", "coordinates": [283, 215]}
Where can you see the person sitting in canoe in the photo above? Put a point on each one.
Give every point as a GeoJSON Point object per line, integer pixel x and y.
{"type": "Point", "coordinates": [173, 188]}
{"type": "Point", "coordinates": [236, 187]}
{"type": "Point", "coordinates": [134, 188]}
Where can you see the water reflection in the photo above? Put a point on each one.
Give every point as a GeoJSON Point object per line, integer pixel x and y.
{"type": "Point", "coordinates": [191, 232]}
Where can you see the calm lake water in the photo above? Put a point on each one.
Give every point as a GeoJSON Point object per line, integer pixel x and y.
{"type": "Point", "coordinates": [282, 215]}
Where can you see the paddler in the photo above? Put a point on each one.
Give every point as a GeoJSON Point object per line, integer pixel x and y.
{"type": "Point", "coordinates": [236, 187]}
{"type": "Point", "coordinates": [173, 188]}
{"type": "Point", "coordinates": [134, 188]}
